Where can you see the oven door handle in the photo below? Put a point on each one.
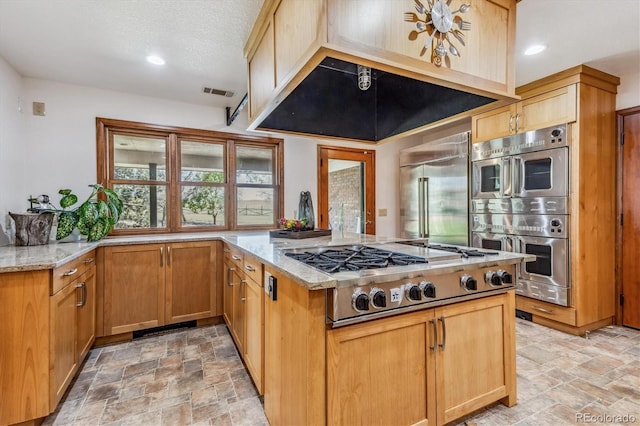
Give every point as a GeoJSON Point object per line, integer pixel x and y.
{"type": "Point", "coordinates": [507, 244]}
{"type": "Point", "coordinates": [518, 176]}
{"type": "Point", "coordinates": [506, 178]}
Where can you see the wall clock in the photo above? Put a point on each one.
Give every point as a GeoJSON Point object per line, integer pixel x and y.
{"type": "Point", "coordinates": [441, 24]}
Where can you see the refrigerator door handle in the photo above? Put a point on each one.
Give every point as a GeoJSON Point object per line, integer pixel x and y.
{"type": "Point", "coordinates": [423, 207]}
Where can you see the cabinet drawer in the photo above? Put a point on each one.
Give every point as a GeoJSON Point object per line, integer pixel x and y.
{"type": "Point", "coordinates": [565, 315]}
{"type": "Point", "coordinates": [253, 269]}
{"type": "Point", "coordinates": [71, 270]}
{"type": "Point", "coordinates": [233, 256]}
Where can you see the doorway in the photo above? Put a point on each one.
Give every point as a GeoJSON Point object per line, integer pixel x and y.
{"type": "Point", "coordinates": [346, 189]}
{"type": "Point", "coordinates": [629, 237]}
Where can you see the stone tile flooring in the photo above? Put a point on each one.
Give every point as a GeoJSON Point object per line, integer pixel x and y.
{"type": "Point", "coordinates": [195, 377]}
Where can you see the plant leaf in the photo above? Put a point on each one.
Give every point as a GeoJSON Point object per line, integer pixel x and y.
{"type": "Point", "coordinates": [64, 192]}
{"type": "Point", "coordinates": [99, 230]}
{"type": "Point", "coordinates": [66, 222]}
{"type": "Point", "coordinates": [68, 200]}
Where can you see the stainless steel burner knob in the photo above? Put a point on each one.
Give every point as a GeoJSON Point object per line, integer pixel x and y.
{"type": "Point", "coordinates": [468, 282]}
{"type": "Point", "coordinates": [492, 278]}
{"type": "Point", "coordinates": [505, 276]}
{"type": "Point", "coordinates": [428, 289]}
{"type": "Point", "coordinates": [378, 298]}
{"type": "Point", "coordinates": [413, 292]}
{"type": "Point", "coordinates": [360, 301]}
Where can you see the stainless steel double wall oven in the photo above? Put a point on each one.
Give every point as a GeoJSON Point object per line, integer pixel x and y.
{"type": "Point", "coordinates": [520, 203]}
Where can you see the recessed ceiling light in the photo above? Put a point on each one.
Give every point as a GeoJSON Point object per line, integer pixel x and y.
{"type": "Point", "coordinates": [155, 60]}
{"type": "Point", "coordinates": [535, 49]}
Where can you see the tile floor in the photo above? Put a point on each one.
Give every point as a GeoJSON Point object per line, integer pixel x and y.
{"type": "Point", "coordinates": [196, 377]}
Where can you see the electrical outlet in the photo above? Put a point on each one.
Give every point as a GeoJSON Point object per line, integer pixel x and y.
{"type": "Point", "coordinates": [396, 294]}
{"type": "Point", "coordinates": [38, 108]}
{"type": "Point", "coordinates": [382, 212]}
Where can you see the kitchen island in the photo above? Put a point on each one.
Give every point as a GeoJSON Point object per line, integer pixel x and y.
{"type": "Point", "coordinates": [434, 363]}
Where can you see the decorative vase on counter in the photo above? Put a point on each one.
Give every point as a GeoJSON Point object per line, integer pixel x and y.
{"type": "Point", "coordinates": [32, 229]}
{"type": "Point", "coordinates": [305, 210]}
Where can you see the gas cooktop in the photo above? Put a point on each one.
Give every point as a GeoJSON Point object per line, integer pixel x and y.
{"type": "Point", "coordinates": [465, 252]}
{"type": "Point", "coordinates": [352, 258]}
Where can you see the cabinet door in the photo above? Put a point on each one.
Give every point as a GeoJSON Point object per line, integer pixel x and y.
{"type": "Point", "coordinates": [227, 294]}
{"type": "Point", "coordinates": [134, 287]}
{"type": "Point", "coordinates": [496, 123]}
{"type": "Point", "coordinates": [238, 310]}
{"type": "Point", "coordinates": [387, 363]}
{"type": "Point", "coordinates": [86, 334]}
{"type": "Point", "coordinates": [190, 281]}
{"type": "Point", "coordinates": [62, 349]}
{"type": "Point", "coordinates": [476, 363]}
{"type": "Point", "coordinates": [254, 332]}
{"type": "Point", "coordinates": [548, 109]}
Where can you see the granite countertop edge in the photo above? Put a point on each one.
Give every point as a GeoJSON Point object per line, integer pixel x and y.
{"type": "Point", "coordinates": [258, 244]}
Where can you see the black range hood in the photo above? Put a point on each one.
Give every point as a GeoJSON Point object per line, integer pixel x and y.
{"type": "Point", "coordinates": [329, 103]}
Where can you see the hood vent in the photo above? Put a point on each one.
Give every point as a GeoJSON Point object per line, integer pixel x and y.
{"type": "Point", "coordinates": [329, 102]}
{"type": "Point", "coordinates": [210, 91]}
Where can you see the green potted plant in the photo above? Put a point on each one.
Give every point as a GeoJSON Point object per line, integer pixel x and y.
{"type": "Point", "coordinates": [94, 218]}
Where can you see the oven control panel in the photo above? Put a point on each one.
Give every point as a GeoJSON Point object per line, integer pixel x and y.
{"type": "Point", "coordinates": [378, 299]}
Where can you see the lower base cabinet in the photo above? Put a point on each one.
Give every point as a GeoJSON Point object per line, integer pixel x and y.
{"type": "Point", "coordinates": [428, 367]}
{"type": "Point", "coordinates": [149, 285]}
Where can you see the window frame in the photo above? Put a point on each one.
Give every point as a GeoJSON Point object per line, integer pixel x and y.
{"type": "Point", "coordinates": [105, 130]}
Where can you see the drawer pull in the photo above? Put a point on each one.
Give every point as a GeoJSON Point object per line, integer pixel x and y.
{"type": "Point", "coordinates": [249, 268]}
{"type": "Point", "coordinates": [83, 300]}
{"type": "Point", "coordinates": [435, 334]}
{"type": "Point", "coordinates": [229, 279]}
{"type": "Point", "coordinates": [444, 333]}
{"type": "Point", "coordinates": [161, 256]}
{"type": "Point", "coordinates": [88, 260]}
{"type": "Point", "coordinates": [243, 283]}
{"type": "Point", "coordinates": [546, 311]}
{"type": "Point", "coordinates": [71, 272]}
{"type": "Point", "coordinates": [226, 250]}
{"type": "Point", "coordinates": [168, 256]}
{"type": "Point", "coordinates": [234, 257]}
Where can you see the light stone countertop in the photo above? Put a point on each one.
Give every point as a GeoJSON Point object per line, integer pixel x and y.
{"type": "Point", "coordinates": [271, 252]}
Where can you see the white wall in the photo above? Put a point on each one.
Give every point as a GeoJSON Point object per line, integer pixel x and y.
{"type": "Point", "coordinates": [13, 196]}
{"type": "Point", "coordinates": [628, 91]}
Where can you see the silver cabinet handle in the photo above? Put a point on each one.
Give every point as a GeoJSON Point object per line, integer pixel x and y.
{"type": "Point", "coordinates": [83, 300]}
{"type": "Point", "coordinates": [243, 283]}
{"type": "Point", "coordinates": [517, 122]}
{"type": "Point", "coordinates": [510, 123]}
{"type": "Point", "coordinates": [444, 333]}
{"type": "Point", "coordinates": [89, 260]}
{"type": "Point", "coordinates": [249, 268]}
{"type": "Point", "coordinates": [435, 334]}
{"type": "Point", "coordinates": [226, 250]}
{"type": "Point", "coordinates": [546, 311]}
{"type": "Point", "coordinates": [234, 257]}
{"type": "Point", "coordinates": [229, 280]}
{"type": "Point", "coordinates": [71, 272]}
{"type": "Point", "coordinates": [161, 256]}
{"type": "Point", "coordinates": [168, 256]}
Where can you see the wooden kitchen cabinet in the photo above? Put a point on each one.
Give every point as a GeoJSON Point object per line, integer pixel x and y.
{"type": "Point", "coordinates": [439, 364]}
{"type": "Point", "coordinates": [149, 285]}
{"type": "Point", "coordinates": [238, 284]}
{"type": "Point", "coordinates": [253, 353]}
{"type": "Point", "coordinates": [365, 363]}
{"type": "Point", "coordinates": [537, 112]}
{"type": "Point", "coordinates": [190, 281]}
{"type": "Point", "coordinates": [47, 324]}
{"type": "Point", "coordinates": [475, 361]}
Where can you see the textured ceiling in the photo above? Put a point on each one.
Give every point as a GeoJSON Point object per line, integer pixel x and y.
{"type": "Point", "coordinates": [103, 43]}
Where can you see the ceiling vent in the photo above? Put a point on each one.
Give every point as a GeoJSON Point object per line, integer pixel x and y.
{"type": "Point", "coordinates": [210, 91]}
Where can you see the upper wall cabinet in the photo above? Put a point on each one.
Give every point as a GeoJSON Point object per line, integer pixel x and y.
{"type": "Point", "coordinates": [378, 69]}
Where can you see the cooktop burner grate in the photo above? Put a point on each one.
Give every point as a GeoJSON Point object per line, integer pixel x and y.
{"type": "Point", "coordinates": [354, 259]}
{"type": "Point", "coordinates": [465, 252]}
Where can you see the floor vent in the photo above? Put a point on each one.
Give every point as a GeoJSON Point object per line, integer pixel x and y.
{"type": "Point", "coordinates": [524, 315]}
{"type": "Point", "coordinates": [210, 91]}
{"type": "Point", "coordinates": [165, 329]}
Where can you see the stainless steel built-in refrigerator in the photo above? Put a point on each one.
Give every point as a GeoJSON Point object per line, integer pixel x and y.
{"type": "Point", "coordinates": [434, 190]}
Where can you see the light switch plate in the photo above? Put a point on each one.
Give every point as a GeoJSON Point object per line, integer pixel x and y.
{"type": "Point", "coordinates": [38, 108]}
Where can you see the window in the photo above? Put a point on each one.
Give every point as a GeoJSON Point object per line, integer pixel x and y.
{"type": "Point", "coordinates": [177, 179]}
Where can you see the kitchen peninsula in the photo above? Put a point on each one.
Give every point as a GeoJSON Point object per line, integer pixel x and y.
{"type": "Point", "coordinates": [440, 360]}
